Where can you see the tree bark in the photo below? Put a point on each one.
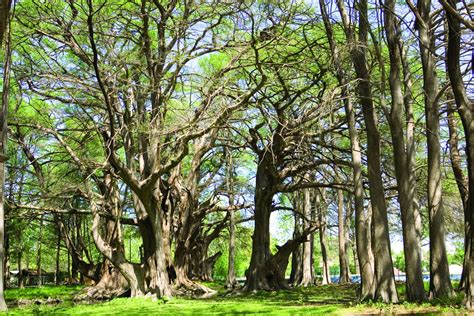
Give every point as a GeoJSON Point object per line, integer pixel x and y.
{"type": "Point", "coordinates": [383, 284]}
{"type": "Point", "coordinates": [466, 111]}
{"type": "Point", "coordinates": [296, 273]}
{"type": "Point", "coordinates": [406, 193]}
{"type": "Point", "coordinates": [261, 274]}
{"type": "Point", "coordinates": [362, 220]}
{"type": "Point", "coordinates": [461, 182]}
{"type": "Point", "coordinates": [4, 34]}
{"type": "Point", "coordinates": [440, 283]}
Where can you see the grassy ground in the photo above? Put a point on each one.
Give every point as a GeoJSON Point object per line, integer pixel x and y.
{"type": "Point", "coordinates": [331, 299]}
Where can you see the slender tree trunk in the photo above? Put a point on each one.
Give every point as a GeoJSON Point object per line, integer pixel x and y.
{"type": "Point", "coordinates": [19, 258]}
{"type": "Point", "coordinates": [440, 283]}
{"type": "Point", "coordinates": [231, 281]}
{"type": "Point", "coordinates": [466, 111]}
{"type": "Point", "coordinates": [384, 285]}
{"type": "Point", "coordinates": [4, 33]}
{"type": "Point", "coordinates": [38, 255]}
{"type": "Point", "coordinates": [362, 228]}
{"type": "Point", "coordinates": [57, 273]}
{"type": "Point", "coordinates": [307, 267]}
{"type": "Point", "coordinates": [322, 240]}
{"type": "Point", "coordinates": [406, 198]}
{"type": "Point", "coordinates": [461, 181]}
{"type": "Point", "coordinates": [343, 258]}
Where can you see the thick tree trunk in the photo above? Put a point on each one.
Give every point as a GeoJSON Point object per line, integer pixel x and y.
{"type": "Point", "coordinates": [262, 274]}
{"type": "Point", "coordinates": [296, 273]}
{"type": "Point", "coordinates": [343, 256]}
{"type": "Point", "coordinates": [440, 283]}
{"type": "Point", "coordinates": [466, 112]}
{"type": "Point", "coordinates": [406, 197]}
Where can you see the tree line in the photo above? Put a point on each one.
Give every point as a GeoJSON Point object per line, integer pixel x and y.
{"type": "Point", "coordinates": [187, 122]}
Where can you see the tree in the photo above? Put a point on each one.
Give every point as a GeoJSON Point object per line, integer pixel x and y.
{"type": "Point", "coordinates": [440, 283]}
{"type": "Point", "coordinates": [4, 35]}
{"type": "Point", "coordinates": [465, 110]}
{"type": "Point", "coordinates": [383, 286]}
{"type": "Point", "coordinates": [408, 207]}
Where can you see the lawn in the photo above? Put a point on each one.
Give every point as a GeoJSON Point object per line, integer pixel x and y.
{"type": "Point", "coordinates": [329, 299]}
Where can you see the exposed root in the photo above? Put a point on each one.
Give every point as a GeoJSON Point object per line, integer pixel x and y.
{"type": "Point", "coordinates": [111, 285]}
{"type": "Point", "coordinates": [193, 289]}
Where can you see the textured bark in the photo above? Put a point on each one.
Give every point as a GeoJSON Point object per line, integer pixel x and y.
{"type": "Point", "coordinates": [440, 283]}
{"type": "Point", "coordinates": [466, 111]}
{"type": "Point", "coordinates": [262, 274]}
{"type": "Point", "coordinates": [406, 197]}
{"type": "Point", "coordinates": [190, 217]}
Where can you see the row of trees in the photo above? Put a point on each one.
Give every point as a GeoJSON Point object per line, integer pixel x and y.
{"type": "Point", "coordinates": [185, 119]}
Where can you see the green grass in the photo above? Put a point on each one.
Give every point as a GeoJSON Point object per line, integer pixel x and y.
{"type": "Point", "coordinates": [62, 292]}
{"type": "Point", "coordinates": [318, 300]}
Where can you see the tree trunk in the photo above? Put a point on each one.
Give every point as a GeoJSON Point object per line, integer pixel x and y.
{"type": "Point", "coordinates": [382, 283]}
{"type": "Point", "coordinates": [440, 283]}
{"type": "Point", "coordinates": [466, 112]}
{"type": "Point", "coordinates": [343, 258]}
{"type": "Point", "coordinates": [296, 273]}
{"type": "Point", "coordinates": [406, 197]}
{"type": "Point", "coordinates": [57, 273]}
{"type": "Point", "coordinates": [307, 264]}
{"type": "Point", "coordinates": [322, 241]}
{"type": "Point", "coordinates": [4, 33]}
{"type": "Point", "coordinates": [19, 257]}
{"type": "Point", "coordinates": [38, 255]}
{"type": "Point", "coordinates": [461, 182]}
{"type": "Point", "coordinates": [231, 281]}
{"type": "Point", "coordinates": [262, 274]}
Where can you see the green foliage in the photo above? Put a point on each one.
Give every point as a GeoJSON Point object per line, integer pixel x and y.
{"type": "Point", "coordinates": [399, 261]}
{"type": "Point", "coordinates": [458, 256]}
{"type": "Point", "coordinates": [243, 251]}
